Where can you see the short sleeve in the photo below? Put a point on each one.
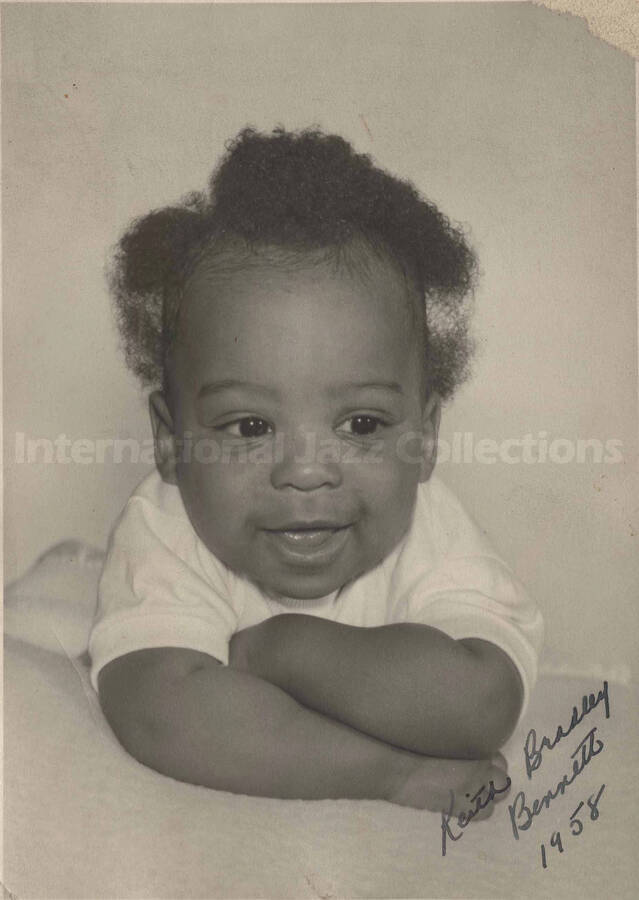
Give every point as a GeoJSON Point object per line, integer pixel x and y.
{"type": "Point", "coordinates": [477, 597]}
{"type": "Point", "coordinates": [160, 587]}
{"type": "Point", "coordinates": [460, 586]}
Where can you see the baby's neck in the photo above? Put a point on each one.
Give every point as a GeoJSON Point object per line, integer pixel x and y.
{"type": "Point", "coordinates": [302, 603]}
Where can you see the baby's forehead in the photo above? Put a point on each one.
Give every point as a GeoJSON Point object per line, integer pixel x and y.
{"type": "Point", "coordinates": [281, 287]}
{"type": "Point", "coordinates": [314, 305]}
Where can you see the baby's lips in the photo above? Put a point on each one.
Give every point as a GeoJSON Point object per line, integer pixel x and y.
{"type": "Point", "coordinates": [307, 523]}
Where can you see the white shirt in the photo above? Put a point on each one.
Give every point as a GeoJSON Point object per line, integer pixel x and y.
{"type": "Point", "coordinates": [161, 587]}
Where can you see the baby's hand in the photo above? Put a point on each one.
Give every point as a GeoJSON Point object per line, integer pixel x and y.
{"type": "Point", "coordinates": [455, 786]}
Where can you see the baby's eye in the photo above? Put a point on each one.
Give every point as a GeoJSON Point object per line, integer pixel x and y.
{"type": "Point", "coordinates": [361, 425]}
{"type": "Point", "coordinates": [248, 427]}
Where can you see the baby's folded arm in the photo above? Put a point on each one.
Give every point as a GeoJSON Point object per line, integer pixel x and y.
{"type": "Point", "coordinates": [409, 685]}
{"type": "Point", "coordinates": [183, 714]}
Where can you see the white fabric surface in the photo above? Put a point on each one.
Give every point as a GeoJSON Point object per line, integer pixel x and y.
{"type": "Point", "coordinates": [83, 819]}
{"type": "Point", "coordinates": [162, 587]}
{"type": "Point", "coordinates": [53, 604]}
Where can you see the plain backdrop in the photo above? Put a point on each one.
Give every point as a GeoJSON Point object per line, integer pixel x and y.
{"type": "Point", "coordinates": [513, 119]}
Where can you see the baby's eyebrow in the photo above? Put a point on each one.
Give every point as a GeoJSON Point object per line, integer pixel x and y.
{"type": "Point", "coordinates": [229, 384]}
{"type": "Point", "coordinates": [393, 386]}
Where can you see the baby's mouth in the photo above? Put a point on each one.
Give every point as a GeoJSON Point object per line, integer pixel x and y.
{"type": "Point", "coordinates": [307, 537]}
{"type": "Point", "coordinates": [312, 542]}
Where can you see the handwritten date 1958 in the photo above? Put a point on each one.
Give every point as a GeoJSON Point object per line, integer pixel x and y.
{"type": "Point", "coordinates": [576, 825]}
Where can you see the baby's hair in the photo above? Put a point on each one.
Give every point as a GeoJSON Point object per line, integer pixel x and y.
{"type": "Point", "coordinates": [299, 191]}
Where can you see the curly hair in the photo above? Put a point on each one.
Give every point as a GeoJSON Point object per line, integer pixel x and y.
{"type": "Point", "coordinates": [300, 191]}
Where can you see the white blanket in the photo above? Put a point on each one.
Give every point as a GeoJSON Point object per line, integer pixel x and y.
{"type": "Point", "coordinates": [83, 819]}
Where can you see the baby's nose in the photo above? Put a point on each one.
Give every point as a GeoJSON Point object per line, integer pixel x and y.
{"type": "Point", "coordinates": [307, 463]}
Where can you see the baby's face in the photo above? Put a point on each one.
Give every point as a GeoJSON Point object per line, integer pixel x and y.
{"type": "Point", "coordinates": [298, 394]}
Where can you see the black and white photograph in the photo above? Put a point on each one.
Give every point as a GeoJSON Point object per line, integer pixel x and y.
{"type": "Point", "coordinates": [321, 450]}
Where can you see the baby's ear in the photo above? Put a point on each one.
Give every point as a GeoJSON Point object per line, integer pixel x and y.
{"type": "Point", "coordinates": [164, 437]}
{"type": "Point", "coordinates": [430, 430]}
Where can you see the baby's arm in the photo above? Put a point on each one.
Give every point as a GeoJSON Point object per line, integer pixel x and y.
{"type": "Point", "coordinates": [182, 713]}
{"type": "Point", "coordinates": [406, 684]}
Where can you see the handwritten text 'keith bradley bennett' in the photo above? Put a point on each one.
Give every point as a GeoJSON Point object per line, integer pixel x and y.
{"type": "Point", "coordinates": [523, 813]}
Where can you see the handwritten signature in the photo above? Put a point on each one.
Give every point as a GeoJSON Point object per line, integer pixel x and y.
{"type": "Point", "coordinates": [533, 755]}
{"type": "Point", "coordinates": [522, 815]}
{"type": "Point", "coordinates": [464, 819]}
{"type": "Point", "coordinates": [522, 812]}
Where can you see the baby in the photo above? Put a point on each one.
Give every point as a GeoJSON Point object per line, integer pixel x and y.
{"type": "Point", "coordinates": [291, 606]}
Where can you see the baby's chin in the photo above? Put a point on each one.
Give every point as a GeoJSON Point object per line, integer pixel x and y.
{"type": "Point", "coordinates": [302, 591]}
{"type": "Point", "coordinates": [296, 590]}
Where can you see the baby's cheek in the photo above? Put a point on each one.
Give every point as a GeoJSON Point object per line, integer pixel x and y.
{"type": "Point", "coordinates": [390, 502]}
{"type": "Point", "coordinates": [389, 478]}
